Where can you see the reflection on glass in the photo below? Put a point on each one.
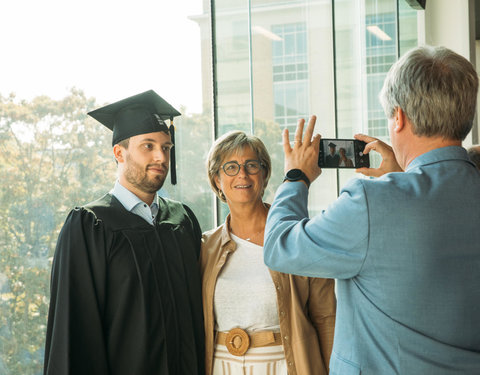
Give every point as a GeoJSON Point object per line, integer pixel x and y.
{"type": "Point", "coordinates": [292, 78]}
{"type": "Point", "coordinates": [366, 47]}
{"type": "Point", "coordinates": [408, 25]}
{"type": "Point", "coordinates": [290, 74]}
{"type": "Point", "coordinates": [233, 68]}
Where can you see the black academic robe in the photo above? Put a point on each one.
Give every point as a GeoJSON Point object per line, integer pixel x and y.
{"type": "Point", "coordinates": [126, 295]}
{"type": "Point", "coordinates": [332, 161]}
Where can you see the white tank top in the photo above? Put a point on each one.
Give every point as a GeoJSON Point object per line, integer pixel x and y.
{"type": "Point", "coordinates": [245, 295]}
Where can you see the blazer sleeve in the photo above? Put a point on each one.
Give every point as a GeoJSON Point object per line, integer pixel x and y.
{"type": "Point", "coordinates": [75, 342]}
{"type": "Point", "coordinates": [332, 244]}
{"type": "Point", "coordinates": [322, 306]}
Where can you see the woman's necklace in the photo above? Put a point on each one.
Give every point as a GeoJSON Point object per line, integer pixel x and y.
{"type": "Point", "coordinates": [254, 235]}
{"type": "Point", "coordinates": [251, 237]}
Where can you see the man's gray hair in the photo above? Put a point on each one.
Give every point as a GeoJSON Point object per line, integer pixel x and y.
{"type": "Point", "coordinates": [436, 88]}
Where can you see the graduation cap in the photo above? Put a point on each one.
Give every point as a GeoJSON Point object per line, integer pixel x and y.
{"type": "Point", "coordinates": [139, 114]}
{"type": "Point", "coordinates": [332, 144]}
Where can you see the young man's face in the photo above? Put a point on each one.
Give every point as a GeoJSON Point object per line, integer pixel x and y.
{"type": "Point", "coordinates": [332, 150]}
{"type": "Point", "coordinates": [146, 161]}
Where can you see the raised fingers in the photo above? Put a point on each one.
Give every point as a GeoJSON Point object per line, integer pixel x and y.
{"type": "Point", "coordinates": [310, 128]}
{"type": "Point", "coordinates": [286, 142]}
{"type": "Point", "coordinates": [298, 133]}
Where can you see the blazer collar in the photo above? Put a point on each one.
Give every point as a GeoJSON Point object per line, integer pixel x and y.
{"type": "Point", "coordinates": [438, 155]}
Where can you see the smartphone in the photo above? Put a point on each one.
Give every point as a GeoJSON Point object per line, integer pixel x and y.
{"type": "Point", "coordinates": [342, 153]}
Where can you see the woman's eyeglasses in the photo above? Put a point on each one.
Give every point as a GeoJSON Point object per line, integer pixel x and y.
{"type": "Point", "coordinates": [232, 168]}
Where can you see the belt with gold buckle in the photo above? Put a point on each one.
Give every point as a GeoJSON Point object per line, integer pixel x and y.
{"type": "Point", "coordinates": [238, 341]}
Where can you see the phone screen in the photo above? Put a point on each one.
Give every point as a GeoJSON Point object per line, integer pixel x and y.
{"type": "Point", "coordinates": [342, 153]}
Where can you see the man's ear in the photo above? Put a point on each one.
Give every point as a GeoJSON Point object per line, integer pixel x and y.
{"type": "Point", "coordinates": [119, 153]}
{"type": "Point", "coordinates": [399, 120]}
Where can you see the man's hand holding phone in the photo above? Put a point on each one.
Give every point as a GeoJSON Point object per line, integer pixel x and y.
{"type": "Point", "coordinates": [389, 162]}
{"type": "Point", "coordinates": [304, 154]}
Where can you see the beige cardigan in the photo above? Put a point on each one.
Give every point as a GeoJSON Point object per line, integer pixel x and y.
{"type": "Point", "coordinates": [306, 308]}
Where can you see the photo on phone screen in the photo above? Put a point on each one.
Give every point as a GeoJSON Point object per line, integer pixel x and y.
{"type": "Point", "coordinates": [342, 153]}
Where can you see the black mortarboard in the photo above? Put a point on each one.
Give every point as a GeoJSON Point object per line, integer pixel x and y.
{"type": "Point", "coordinates": [332, 144]}
{"type": "Point", "coordinates": [139, 114]}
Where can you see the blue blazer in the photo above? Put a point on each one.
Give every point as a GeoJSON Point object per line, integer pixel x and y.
{"type": "Point", "coordinates": [405, 250]}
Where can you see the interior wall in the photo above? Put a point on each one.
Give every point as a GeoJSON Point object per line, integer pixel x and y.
{"type": "Point", "coordinates": [451, 23]}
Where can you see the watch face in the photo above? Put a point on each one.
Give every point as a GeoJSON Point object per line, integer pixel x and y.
{"type": "Point", "coordinates": [297, 175]}
{"type": "Point", "coordinates": [294, 174]}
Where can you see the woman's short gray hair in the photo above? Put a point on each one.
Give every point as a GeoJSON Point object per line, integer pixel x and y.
{"type": "Point", "coordinates": [231, 143]}
{"type": "Point", "coordinates": [436, 88]}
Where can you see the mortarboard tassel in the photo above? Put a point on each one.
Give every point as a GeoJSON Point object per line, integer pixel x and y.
{"type": "Point", "coordinates": [173, 171]}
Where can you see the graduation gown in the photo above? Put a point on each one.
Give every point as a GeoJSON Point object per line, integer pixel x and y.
{"type": "Point", "coordinates": [126, 295]}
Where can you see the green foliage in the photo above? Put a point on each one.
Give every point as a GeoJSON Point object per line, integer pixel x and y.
{"type": "Point", "coordinates": [52, 157]}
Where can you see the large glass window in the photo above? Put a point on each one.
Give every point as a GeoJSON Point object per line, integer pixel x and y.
{"type": "Point", "coordinates": [61, 60]}
{"type": "Point", "coordinates": [232, 79]}
{"type": "Point", "coordinates": [381, 53]}
{"type": "Point", "coordinates": [274, 65]}
{"type": "Point", "coordinates": [367, 43]}
{"type": "Point", "coordinates": [290, 73]}
{"type": "Point", "coordinates": [322, 57]}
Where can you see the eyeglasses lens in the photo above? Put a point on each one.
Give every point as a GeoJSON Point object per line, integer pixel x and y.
{"type": "Point", "coordinates": [232, 168]}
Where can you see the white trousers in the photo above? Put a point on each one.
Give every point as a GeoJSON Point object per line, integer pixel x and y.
{"type": "Point", "coordinates": [267, 360]}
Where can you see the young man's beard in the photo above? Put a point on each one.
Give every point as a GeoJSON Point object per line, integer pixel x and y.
{"type": "Point", "coordinates": [138, 177]}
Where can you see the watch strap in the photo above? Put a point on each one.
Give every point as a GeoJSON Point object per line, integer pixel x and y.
{"type": "Point", "coordinates": [296, 175]}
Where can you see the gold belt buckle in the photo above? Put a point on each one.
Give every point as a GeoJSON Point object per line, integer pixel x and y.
{"type": "Point", "coordinates": [237, 341]}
